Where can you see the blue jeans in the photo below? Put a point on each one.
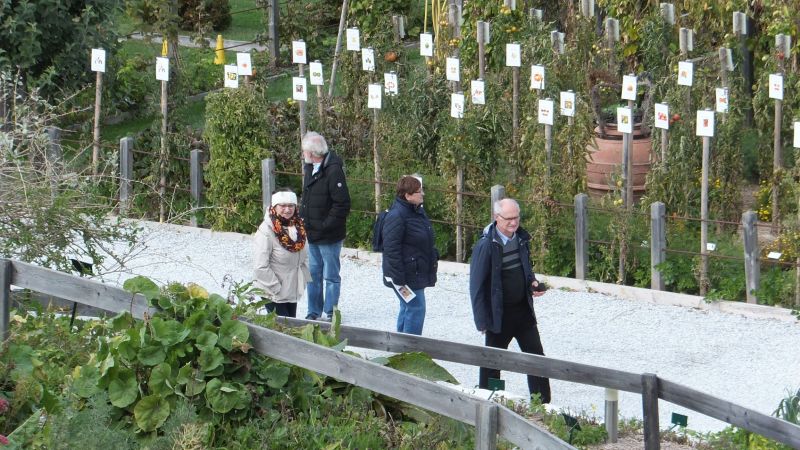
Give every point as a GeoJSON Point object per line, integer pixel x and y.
{"type": "Point", "coordinates": [324, 264]}
{"type": "Point", "coordinates": [412, 314]}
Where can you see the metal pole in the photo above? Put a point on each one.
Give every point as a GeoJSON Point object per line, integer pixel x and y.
{"type": "Point", "coordinates": [196, 183]}
{"type": "Point", "coordinates": [267, 183]}
{"type": "Point", "coordinates": [581, 236]}
{"type": "Point", "coordinates": [125, 174]}
{"type": "Point", "coordinates": [612, 414]}
{"type": "Point", "coordinates": [658, 244]}
{"type": "Point", "coordinates": [752, 270]}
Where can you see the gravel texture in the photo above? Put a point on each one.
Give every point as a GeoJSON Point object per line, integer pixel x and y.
{"type": "Point", "coordinates": [751, 362]}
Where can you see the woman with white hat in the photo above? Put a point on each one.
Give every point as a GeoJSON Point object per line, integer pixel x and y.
{"type": "Point", "coordinates": [281, 256]}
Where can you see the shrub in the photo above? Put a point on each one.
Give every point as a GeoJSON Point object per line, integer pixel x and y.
{"type": "Point", "coordinates": [197, 13]}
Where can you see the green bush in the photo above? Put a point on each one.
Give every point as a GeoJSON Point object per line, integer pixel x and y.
{"type": "Point", "coordinates": [196, 13]}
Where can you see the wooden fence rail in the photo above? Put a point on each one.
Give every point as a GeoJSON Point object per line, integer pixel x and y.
{"type": "Point", "coordinates": [422, 393]}
{"type": "Point", "coordinates": [488, 419]}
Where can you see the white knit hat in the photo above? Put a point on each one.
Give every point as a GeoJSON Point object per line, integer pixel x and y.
{"type": "Point", "coordinates": [283, 198]}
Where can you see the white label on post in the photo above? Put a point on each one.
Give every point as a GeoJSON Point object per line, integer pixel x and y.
{"type": "Point", "coordinates": [231, 76]}
{"type": "Point", "coordinates": [98, 60]}
{"type": "Point", "coordinates": [774, 255]}
{"type": "Point", "coordinates": [513, 55]}
{"type": "Point", "coordinates": [705, 123]}
{"type": "Point", "coordinates": [390, 83]}
{"type": "Point", "coordinates": [685, 73]}
{"type": "Point", "coordinates": [162, 69]}
{"type": "Point", "coordinates": [662, 116]}
{"type": "Point", "coordinates": [567, 103]}
{"type": "Point", "coordinates": [367, 59]}
{"type": "Point", "coordinates": [457, 105]}
{"type": "Point", "coordinates": [426, 44]}
{"type": "Point", "coordinates": [353, 39]}
{"type": "Point", "coordinates": [710, 246]}
{"type": "Point", "coordinates": [629, 87]}
{"type": "Point", "coordinates": [299, 92]}
{"type": "Point", "coordinates": [243, 64]}
{"type": "Point", "coordinates": [546, 112]}
{"type": "Point", "coordinates": [452, 67]}
{"type": "Point", "coordinates": [537, 77]}
{"type": "Point", "coordinates": [776, 86]}
{"type": "Point", "coordinates": [375, 93]}
{"type": "Point", "coordinates": [624, 120]}
{"type": "Point", "coordinates": [315, 74]}
{"type": "Point", "coordinates": [478, 93]}
{"type": "Point", "coordinates": [722, 100]}
{"type": "Point", "coordinates": [298, 52]}
{"type": "Point", "coordinates": [796, 135]}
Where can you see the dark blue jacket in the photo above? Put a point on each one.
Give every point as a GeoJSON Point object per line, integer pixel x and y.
{"type": "Point", "coordinates": [409, 254]}
{"type": "Point", "coordinates": [485, 278]}
{"type": "Point", "coordinates": [325, 202]}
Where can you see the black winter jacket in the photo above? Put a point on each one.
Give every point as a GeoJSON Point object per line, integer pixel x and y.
{"type": "Point", "coordinates": [325, 202]}
{"type": "Point", "coordinates": [485, 278]}
{"type": "Point", "coordinates": [409, 254]}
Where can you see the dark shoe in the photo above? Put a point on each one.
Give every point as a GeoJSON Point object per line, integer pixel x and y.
{"type": "Point", "coordinates": [312, 317]}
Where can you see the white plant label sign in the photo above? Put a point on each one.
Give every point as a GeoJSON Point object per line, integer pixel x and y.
{"type": "Point", "coordinates": [567, 103]}
{"type": "Point", "coordinates": [375, 94]}
{"type": "Point", "coordinates": [162, 69]}
{"type": "Point", "coordinates": [315, 76]}
{"type": "Point", "coordinates": [390, 83]}
{"type": "Point", "coordinates": [353, 40]}
{"type": "Point", "coordinates": [546, 112]}
{"type": "Point", "coordinates": [776, 86]}
{"type": "Point", "coordinates": [244, 64]}
{"type": "Point", "coordinates": [231, 76]}
{"type": "Point", "coordinates": [299, 90]}
{"type": "Point", "coordinates": [685, 73]}
{"type": "Point", "coordinates": [796, 143]}
{"type": "Point", "coordinates": [625, 120]}
{"type": "Point", "coordinates": [537, 77]}
{"type": "Point", "coordinates": [368, 59]}
{"type": "Point", "coordinates": [299, 52]}
{"type": "Point", "coordinates": [98, 60]}
{"type": "Point", "coordinates": [705, 123]}
{"type": "Point", "coordinates": [457, 105]}
{"type": "Point", "coordinates": [722, 100]}
{"type": "Point", "coordinates": [453, 69]}
{"type": "Point", "coordinates": [426, 44]}
{"type": "Point", "coordinates": [513, 55]}
{"type": "Point", "coordinates": [478, 92]}
{"type": "Point", "coordinates": [628, 87]}
{"type": "Point", "coordinates": [662, 116]}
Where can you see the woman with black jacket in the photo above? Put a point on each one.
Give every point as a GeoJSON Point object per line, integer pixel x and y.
{"type": "Point", "coordinates": [409, 256]}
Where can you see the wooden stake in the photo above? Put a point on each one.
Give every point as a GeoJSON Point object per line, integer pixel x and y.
{"type": "Point", "coordinates": [162, 190]}
{"type": "Point", "coordinates": [302, 104]}
{"type": "Point", "coordinates": [704, 216]}
{"type": "Point", "coordinates": [481, 33]}
{"type": "Point", "coordinates": [459, 213]}
{"type": "Point", "coordinates": [342, 20]}
{"type": "Point", "coordinates": [627, 156]}
{"type": "Point", "coordinates": [515, 107]}
{"type": "Point", "coordinates": [98, 97]}
{"type": "Point", "coordinates": [376, 156]}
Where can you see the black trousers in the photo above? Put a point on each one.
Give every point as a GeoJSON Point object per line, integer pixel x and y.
{"type": "Point", "coordinates": [519, 324]}
{"type": "Point", "coordinates": [282, 309]}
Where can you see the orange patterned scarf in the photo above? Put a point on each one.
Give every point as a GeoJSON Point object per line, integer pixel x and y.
{"type": "Point", "coordinates": [281, 228]}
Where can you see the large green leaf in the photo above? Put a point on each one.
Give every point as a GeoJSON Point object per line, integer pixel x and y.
{"type": "Point", "coordinates": [161, 381]}
{"type": "Point", "coordinates": [142, 285]}
{"type": "Point", "coordinates": [151, 412]}
{"type": "Point", "coordinates": [223, 397]}
{"type": "Point", "coordinates": [230, 331]}
{"type": "Point", "coordinates": [206, 340]}
{"type": "Point", "coordinates": [210, 360]}
{"type": "Point", "coordinates": [421, 365]}
{"type": "Point", "coordinates": [152, 355]}
{"type": "Point", "coordinates": [86, 377]}
{"type": "Point", "coordinates": [123, 388]}
{"type": "Point", "coordinates": [276, 375]}
{"type": "Point", "coordinates": [168, 332]}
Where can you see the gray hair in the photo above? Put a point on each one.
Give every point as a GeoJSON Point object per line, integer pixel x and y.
{"type": "Point", "coordinates": [497, 206]}
{"type": "Point", "coordinates": [315, 144]}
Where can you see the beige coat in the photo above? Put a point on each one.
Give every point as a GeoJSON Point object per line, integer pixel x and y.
{"type": "Point", "coordinates": [280, 273]}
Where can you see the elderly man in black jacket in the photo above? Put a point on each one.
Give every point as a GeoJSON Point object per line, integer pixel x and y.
{"type": "Point", "coordinates": [502, 286]}
{"type": "Point", "coordinates": [324, 207]}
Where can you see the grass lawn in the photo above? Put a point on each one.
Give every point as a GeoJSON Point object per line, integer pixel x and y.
{"type": "Point", "coordinates": [245, 24]}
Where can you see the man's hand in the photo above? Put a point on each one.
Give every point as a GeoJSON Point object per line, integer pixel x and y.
{"type": "Point", "coordinates": [537, 293]}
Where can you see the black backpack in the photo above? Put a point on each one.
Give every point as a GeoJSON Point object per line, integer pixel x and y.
{"type": "Point", "coordinates": [377, 232]}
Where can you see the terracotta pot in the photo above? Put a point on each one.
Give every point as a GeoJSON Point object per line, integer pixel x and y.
{"type": "Point", "coordinates": [605, 160]}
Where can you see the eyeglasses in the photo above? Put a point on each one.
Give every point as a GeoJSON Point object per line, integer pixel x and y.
{"type": "Point", "coordinates": [509, 219]}
{"type": "Point", "coordinates": [286, 205]}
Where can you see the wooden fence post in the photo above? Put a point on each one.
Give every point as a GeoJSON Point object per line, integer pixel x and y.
{"type": "Point", "coordinates": [125, 174]}
{"type": "Point", "coordinates": [196, 181]}
{"type": "Point", "coordinates": [273, 20]}
{"type": "Point", "coordinates": [658, 243]}
{"type": "Point", "coordinates": [267, 182]}
{"type": "Point", "coordinates": [581, 236]}
{"type": "Point", "coordinates": [5, 297]}
{"type": "Point", "coordinates": [612, 413]}
{"type": "Point", "coordinates": [652, 439]}
{"type": "Point", "coordinates": [752, 270]}
{"type": "Point", "coordinates": [498, 193]}
{"type": "Point", "coordinates": [486, 426]}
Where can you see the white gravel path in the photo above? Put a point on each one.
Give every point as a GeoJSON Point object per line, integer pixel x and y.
{"type": "Point", "coordinates": [749, 361]}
